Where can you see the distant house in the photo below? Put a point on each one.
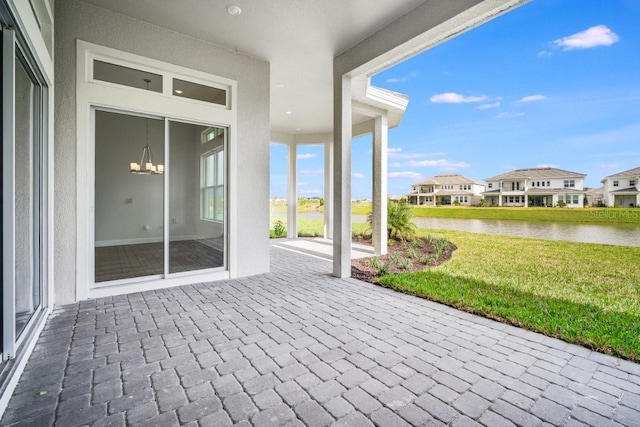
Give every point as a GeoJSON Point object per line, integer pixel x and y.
{"type": "Point", "coordinates": [536, 187]}
{"type": "Point", "coordinates": [621, 189]}
{"type": "Point", "coordinates": [595, 196]}
{"type": "Point", "coordinates": [446, 190]}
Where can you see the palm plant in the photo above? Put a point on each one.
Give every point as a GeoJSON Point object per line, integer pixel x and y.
{"type": "Point", "coordinates": [399, 223]}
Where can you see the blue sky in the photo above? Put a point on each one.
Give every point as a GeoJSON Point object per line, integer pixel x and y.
{"type": "Point", "coordinates": [555, 82]}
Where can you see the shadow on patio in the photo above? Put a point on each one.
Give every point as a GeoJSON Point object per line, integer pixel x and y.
{"type": "Point", "coordinates": [299, 347]}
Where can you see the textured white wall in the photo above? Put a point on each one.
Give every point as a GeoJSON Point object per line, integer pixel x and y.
{"type": "Point", "coordinates": [77, 20]}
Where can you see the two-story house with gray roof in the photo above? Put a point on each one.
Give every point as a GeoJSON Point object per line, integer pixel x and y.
{"type": "Point", "coordinates": [536, 187]}
{"type": "Point", "coordinates": [446, 190]}
{"type": "Point", "coordinates": [621, 189]}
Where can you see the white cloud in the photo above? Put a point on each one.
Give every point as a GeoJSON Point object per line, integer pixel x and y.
{"type": "Point", "coordinates": [456, 98]}
{"type": "Point", "coordinates": [396, 153]}
{"type": "Point", "coordinates": [402, 78]}
{"type": "Point", "coordinates": [487, 106]}
{"type": "Point", "coordinates": [310, 192]}
{"type": "Point", "coordinates": [443, 164]}
{"type": "Point", "coordinates": [311, 171]}
{"type": "Point", "coordinates": [609, 166]}
{"type": "Point", "coordinates": [404, 175]}
{"type": "Point", "coordinates": [357, 175]}
{"type": "Point", "coordinates": [532, 98]}
{"type": "Point", "coordinates": [509, 115]}
{"type": "Point", "coordinates": [306, 156]}
{"type": "Point", "coordinates": [544, 53]}
{"type": "Point", "coordinates": [546, 165]}
{"type": "Point", "coordinates": [600, 35]}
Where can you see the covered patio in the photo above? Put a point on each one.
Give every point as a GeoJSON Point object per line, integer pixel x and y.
{"type": "Point", "coordinates": [297, 346]}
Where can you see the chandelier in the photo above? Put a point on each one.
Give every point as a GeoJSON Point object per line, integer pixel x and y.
{"type": "Point", "coordinates": [147, 166]}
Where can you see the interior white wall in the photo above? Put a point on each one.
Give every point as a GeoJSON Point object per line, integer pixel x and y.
{"type": "Point", "coordinates": [76, 20]}
{"type": "Point", "coordinates": [183, 179]}
{"type": "Point", "coordinates": [126, 203]}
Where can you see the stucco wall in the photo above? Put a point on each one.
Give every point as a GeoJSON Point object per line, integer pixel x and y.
{"type": "Point", "coordinates": [76, 20]}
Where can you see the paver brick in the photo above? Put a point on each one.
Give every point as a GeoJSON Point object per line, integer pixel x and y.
{"type": "Point", "coordinates": [239, 407]}
{"type": "Point", "coordinates": [199, 409]}
{"type": "Point", "coordinates": [338, 407]}
{"type": "Point", "coordinates": [300, 340]}
{"type": "Point", "coordinates": [276, 416]}
{"type": "Point", "coordinates": [362, 401]}
{"type": "Point", "coordinates": [436, 408]}
{"type": "Point", "coordinates": [313, 414]}
{"type": "Point", "coordinates": [292, 393]}
{"type": "Point", "coordinates": [471, 404]}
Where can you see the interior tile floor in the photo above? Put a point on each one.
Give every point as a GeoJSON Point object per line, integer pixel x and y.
{"type": "Point", "coordinates": [299, 347]}
{"type": "Point", "coordinates": [147, 259]}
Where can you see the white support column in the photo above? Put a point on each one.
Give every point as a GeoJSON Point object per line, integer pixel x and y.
{"type": "Point", "coordinates": [341, 175]}
{"type": "Point", "coordinates": [328, 190]}
{"type": "Point", "coordinates": [292, 191]}
{"type": "Point", "coordinates": [379, 217]}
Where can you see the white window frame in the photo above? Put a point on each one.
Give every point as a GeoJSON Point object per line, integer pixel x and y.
{"type": "Point", "coordinates": [216, 153]}
{"type": "Point", "coordinates": [92, 94]}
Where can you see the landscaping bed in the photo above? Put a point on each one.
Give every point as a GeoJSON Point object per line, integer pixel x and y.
{"type": "Point", "coordinates": [403, 256]}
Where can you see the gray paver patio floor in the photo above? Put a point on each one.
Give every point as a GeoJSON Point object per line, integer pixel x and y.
{"type": "Point", "coordinates": [299, 347]}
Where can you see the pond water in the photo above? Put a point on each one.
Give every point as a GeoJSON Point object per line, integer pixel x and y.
{"type": "Point", "coordinates": [619, 234]}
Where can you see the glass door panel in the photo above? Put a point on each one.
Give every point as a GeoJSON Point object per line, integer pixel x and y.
{"type": "Point", "coordinates": [129, 196]}
{"type": "Point", "coordinates": [197, 194]}
{"type": "Point", "coordinates": [27, 197]}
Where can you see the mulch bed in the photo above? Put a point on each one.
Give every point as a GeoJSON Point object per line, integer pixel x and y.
{"type": "Point", "coordinates": [403, 256]}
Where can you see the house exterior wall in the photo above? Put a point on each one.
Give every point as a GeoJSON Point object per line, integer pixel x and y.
{"type": "Point", "coordinates": [609, 197]}
{"type": "Point", "coordinates": [514, 191]}
{"type": "Point", "coordinates": [76, 20]}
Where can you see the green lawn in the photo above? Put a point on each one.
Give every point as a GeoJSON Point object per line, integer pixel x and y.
{"type": "Point", "coordinates": [315, 227]}
{"type": "Point", "coordinates": [602, 216]}
{"type": "Point", "coordinates": [583, 293]}
{"type": "Point", "coordinates": [589, 215]}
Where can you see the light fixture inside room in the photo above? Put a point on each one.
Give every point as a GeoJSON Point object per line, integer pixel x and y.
{"type": "Point", "coordinates": [146, 165]}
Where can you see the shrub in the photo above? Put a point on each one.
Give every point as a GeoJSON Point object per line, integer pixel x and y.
{"type": "Point", "coordinates": [399, 215]}
{"type": "Point", "coordinates": [561, 204]}
{"type": "Point", "coordinates": [279, 228]}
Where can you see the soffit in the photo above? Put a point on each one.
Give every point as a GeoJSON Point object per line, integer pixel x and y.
{"type": "Point", "coordinates": [299, 38]}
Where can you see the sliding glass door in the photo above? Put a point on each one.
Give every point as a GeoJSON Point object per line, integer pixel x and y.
{"type": "Point", "coordinates": [159, 198]}
{"type": "Point", "coordinates": [196, 197]}
{"type": "Point", "coordinates": [23, 192]}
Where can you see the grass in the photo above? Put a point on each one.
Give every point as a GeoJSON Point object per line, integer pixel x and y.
{"type": "Point", "coordinates": [315, 227]}
{"type": "Point", "coordinates": [582, 293]}
{"type": "Point", "coordinates": [601, 216]}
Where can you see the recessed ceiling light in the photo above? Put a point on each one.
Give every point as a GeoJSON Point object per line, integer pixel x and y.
{"type": "Point", "coordinates": [280, 85]}
{"type": "Point", "coordinates": [178, 91]}
{"type": "Point", "coordinates": [298, 129]}
{"type": "Point", "coordinates": [234, 9]}
{"type": "Point", "coordinates": [289, 113]}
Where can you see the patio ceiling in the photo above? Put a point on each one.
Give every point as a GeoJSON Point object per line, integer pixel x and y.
{"type": "Point", "coordinates": [299, 39]}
